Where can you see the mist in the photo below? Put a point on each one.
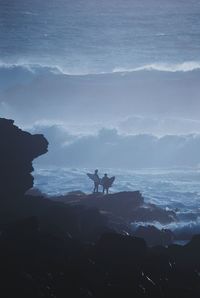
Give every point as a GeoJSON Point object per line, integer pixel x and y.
{"type": "Point", "coordinates": [155, 102]}
{"type": "Point", "coordinates": [109, 148]}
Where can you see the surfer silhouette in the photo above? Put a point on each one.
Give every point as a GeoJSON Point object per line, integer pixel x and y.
{"type": "Point", "coordinates": [95, 178]}
{"type": "Point", "coordinates": [96, 181]}
{"type": "Point", "coordinates": [105, 182]}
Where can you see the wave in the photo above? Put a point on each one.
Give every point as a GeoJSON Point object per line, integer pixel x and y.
{"type": "Point", "coordinates": [164, 67]}
{"type": "Point", "coordinates": [31, 67]}
{"type": "Point", "coordinates": [34, 68]}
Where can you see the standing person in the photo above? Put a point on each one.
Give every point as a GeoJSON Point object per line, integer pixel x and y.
{"type": "Point", "coordinates": [96, 181]}
{"type": "Point", "coordinates": [105, 181]}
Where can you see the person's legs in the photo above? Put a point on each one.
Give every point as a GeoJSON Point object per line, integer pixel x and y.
{"type": "Point", "coordinates": [96, 187]}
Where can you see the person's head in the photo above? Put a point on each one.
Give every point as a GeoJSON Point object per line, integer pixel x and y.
{"type": "Point", "coordinates": [96, 171]}
{"type": "Point", "coordinates": [105, 175]}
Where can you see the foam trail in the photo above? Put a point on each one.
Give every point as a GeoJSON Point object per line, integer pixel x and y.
{"type": "Point", "coordinates": [187, 66]}
{"type": "Point", "coordinates": [182, 67]}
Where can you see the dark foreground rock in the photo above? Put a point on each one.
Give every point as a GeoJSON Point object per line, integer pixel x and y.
{"type": "Point", "coordinates": [51, 249]}
{"type": "Point", "coordinates": [153, 236]}
{"type": "Point", "coordinates": [17, 151]}
{"type": "Point", "coordinates": [36, 264]}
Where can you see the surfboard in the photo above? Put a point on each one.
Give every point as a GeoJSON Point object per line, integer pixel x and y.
{"type": "Point", "coordinates": [92, 177]}
{"type": "Point", "coordinates": [111, 180]}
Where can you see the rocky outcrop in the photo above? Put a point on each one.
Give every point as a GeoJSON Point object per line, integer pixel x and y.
{"type": "Point", "coordinates": [119, 204]}
{"type": "Point", "coordinates": [153, 236]}
{"type": "Point", "coordinates": [17, 151]}
{"type": "Point", "coordinates": [127, 205]}
{"type": "Point", "coordinates": [35, 264]}
{"type": "Point", "coordinates": [51, 249]}
{"type": "Point", "coordinates": [152, 213]}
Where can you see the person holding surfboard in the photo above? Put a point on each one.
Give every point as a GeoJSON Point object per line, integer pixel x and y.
{"type": "Point", "coordinates": [106, 183]}
{"type": "Point", "coordinates": [95, 178]}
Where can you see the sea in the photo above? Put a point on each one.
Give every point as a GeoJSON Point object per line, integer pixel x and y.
{"type": "Point", "coordinates": [175, 189]}
{"type": "Point", "coordinates": [65, 42]}
{"type": "Point", "coordinates": [91, 36]}
{"type": "Point", "coordinates": [61, 59]}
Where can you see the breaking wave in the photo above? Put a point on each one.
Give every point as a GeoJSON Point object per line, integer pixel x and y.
{"type": "Point", "coordinates": [34, 68]}
{"type": "Point", "coordinates": [166, 67]}
{"type": "Point", "coordinates": [184, 200]}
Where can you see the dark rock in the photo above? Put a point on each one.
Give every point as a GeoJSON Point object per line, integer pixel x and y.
{"type": "Point", "coordinates": [129, 206]}
{"type": "Point", "coordinates": [17, 151]}
{"type": "Point", "coordinates": [120, 249]}
{"type": "Point", "coordinates": [153, 236]}
{"type": "Point", "coordinates": [52, 249]}
{"type": "Point", "coordinates": [192, 248]}
{"type": "Point", "coordinates": [151, 213]}
{"type": "Point", "coordinates": [35, 192]}
{"type": "Point", "coordinates": [22, 228]}
{"type": "Point", "coordinates": [76, 192]}
{"type": "Point", "coordinates": [120, 203]}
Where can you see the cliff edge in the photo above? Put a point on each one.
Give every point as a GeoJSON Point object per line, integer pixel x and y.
{"type": "Point", "coordinates": [17, 151]}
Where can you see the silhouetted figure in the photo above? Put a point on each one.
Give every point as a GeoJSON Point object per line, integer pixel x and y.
{"type": "Point", "coordinates": [95, 178]}
{"type": "Point", "coordinates": [96, 181]}
{"type": "Point", "coordinates": [105, 182]}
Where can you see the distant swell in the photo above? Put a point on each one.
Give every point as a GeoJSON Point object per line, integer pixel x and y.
{"type": "Point", "coordinates": [182, 67]}
{"type": "Point", "coordinates": [56, 69]}
{"type": "Point", "coordinates": [33, 68]}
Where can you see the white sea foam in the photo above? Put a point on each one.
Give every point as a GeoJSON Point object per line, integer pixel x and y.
{"type": "Point", "coordinates": [189, 227]}
{"type": "Point", "coordinates": [166, 67]}
{"type": "Point", "coordinates": [31, 67]}
{"type": "Point", "coordinates": [187, 66]}
{"type": "Point", "coordinates": [177, 193]}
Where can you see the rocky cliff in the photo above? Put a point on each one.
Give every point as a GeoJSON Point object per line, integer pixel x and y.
{"type": "Point", "coordinates": [17, 151]}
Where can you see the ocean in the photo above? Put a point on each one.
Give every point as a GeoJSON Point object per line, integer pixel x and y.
{"type": "Point", "coordinates": [88, 64]}
{"type": "Point", "coordinates": [91, 36]}
{"type": "Point", "coordinates": [171, 189]}
{"type": "Point", "coordinates": [73, 61]}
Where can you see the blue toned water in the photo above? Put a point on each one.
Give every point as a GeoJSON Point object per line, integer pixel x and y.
{"type": "Point", "coordinates": [43, 41]}
{"type": "Point", "coordinates": [91, 36]}
{"type": "Point", "coordinates": [171, 189]}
